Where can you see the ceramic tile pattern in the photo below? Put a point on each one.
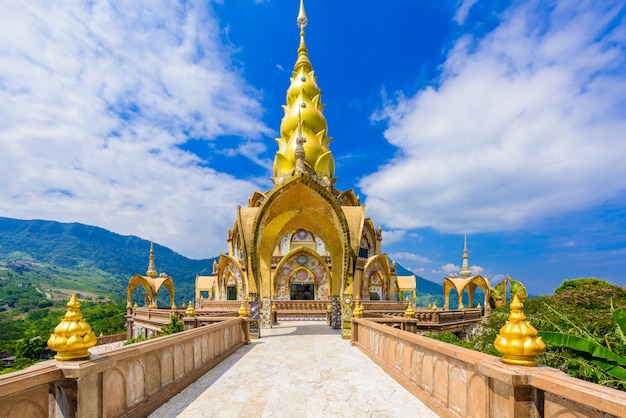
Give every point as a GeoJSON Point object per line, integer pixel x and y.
{"type": "Point", "coordinates": [297, 369]}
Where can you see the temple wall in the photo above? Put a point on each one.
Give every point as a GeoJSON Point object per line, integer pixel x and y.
{"type": "Point", "coordinates": [457, 382]}
{"type": "Point", "coordinates": [130, 381]}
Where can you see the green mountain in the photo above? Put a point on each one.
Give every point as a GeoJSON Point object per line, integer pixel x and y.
{"type": "Point", "coordinates": [426, 291]}
{"type": "Point", "coordinates": [70, 257]}
{"type": "Point", "coordinates": [91, 259]}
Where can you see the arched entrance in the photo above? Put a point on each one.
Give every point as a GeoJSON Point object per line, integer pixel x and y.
{"type": "Point", "coordinates": [302, 275]}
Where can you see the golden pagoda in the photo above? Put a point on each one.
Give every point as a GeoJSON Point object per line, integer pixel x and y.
{"type": "Point", "coordinates": [303, 239]}
{"type": "Point", "coordinates": [152, 282]}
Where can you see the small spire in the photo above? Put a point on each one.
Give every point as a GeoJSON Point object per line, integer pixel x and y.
{"type": "Point", "coordinates": [303, 53]}
{"type": "Point", "coordinates": [152, 271]}
{"type": "Point", "coordinates": [302, 20]}
{"type": "Point", "coordinates": [465, 270]}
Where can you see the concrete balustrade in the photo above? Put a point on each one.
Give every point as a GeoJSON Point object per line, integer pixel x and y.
{"type": "Point", "coordinates": [457, 382]}
{"type": "Point", "coordinates": [130, 381]}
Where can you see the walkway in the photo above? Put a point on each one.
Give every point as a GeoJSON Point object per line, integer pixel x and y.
{"type": "Point", "coordinates": [297, 369]}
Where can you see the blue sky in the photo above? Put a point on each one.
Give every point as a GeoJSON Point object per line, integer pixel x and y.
{"type": "Point", "coordinates": [502, 120]}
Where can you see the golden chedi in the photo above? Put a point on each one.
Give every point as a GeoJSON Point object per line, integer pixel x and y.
{"type": "Point", "coordinates": [73, 337]}
{"type": "Point", "coordinates": [518, 340]}
{"type": "Point", "coordinates": [409, 312]}
{"type": "Point", "coordinates": [191, 311]}
{"type": "Point", "coordinates": [243, 311]}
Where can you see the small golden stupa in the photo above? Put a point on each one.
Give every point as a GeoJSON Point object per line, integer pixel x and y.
{"type": "Point", "coordinates": [518, 340]}
{"type": "Point", "coordinates": [73, 337]}
{"type": "Point", "coordinates": [410, 312]}
{"type": "Point", "coordinates": [243, 311]}
{"type": "Point", "coordinates": [191, 310]}
{"type": "Point", "coordinates": [358, 309]}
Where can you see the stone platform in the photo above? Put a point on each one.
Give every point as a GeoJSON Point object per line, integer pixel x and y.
{"type": "Point", "coordinates": [297, 369]}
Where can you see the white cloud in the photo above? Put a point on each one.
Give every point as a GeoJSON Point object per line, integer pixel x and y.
{"type": "Point", "coordinates": [393, 235]}
{"type": "Point", "coordinates": [447, 269]}
{"type": "Point", "coordinates": [463, 8]}
{"type": "Point", "coordinates": [404, 256]}
{"type": "Point", "coordinates": [477, 270]}
{"type": "Point", "coordinates": [96, 102]}
{"type": "Point", "coordinates": [526, 122]}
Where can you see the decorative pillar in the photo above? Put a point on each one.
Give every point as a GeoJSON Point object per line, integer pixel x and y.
{"type": "Point", "coordinates": [358, 276]}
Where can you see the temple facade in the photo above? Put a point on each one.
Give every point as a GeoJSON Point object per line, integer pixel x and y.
{"type": "Point", "coordinates": [303, 239]}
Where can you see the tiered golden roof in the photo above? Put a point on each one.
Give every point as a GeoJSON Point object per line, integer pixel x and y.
{"type": "Point", "coordinates": [304, 119]}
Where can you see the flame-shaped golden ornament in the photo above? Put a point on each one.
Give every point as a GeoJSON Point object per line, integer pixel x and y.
{"type": "Point", "coordinates": [518, 340]}
{"type": "Point", "coordinates": [73, 337]}
{"type": "Point", "coordinates": [358, 310]}
{"type": "Point", "coordinates": [409, 312]}
{"type": "Point", "coordinates": [191, 310]}
{"type": "Point", "coordinates": [243, 311]}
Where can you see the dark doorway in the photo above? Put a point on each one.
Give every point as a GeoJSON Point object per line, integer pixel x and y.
{"type": "Point", "coordinates": [302, 292]}
{"type": "Point", "coordinates": [231, 293]}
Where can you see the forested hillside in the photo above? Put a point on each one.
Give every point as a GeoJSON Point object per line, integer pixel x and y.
{"type": "Point", "coordinates": [89, 258]}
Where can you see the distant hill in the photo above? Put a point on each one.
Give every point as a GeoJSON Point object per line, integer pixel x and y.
{"type": "Point", "coordinates": [87, 248]}
{"type": "Point", "coordinates": [426, 291]}
{"type": "Point", "coordinates": [99, 261]}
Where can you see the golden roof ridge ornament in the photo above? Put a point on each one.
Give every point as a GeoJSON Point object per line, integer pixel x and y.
{"type": "Point", "coordinates": [304, 118]}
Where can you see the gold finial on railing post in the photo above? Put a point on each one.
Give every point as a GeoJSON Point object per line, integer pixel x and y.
{"type": "Point", "coordinates": [191, 310]}
{"type": "Point", "coordinates": [518, 340]}
{"type": "Point", "coordinates": [73, 337]}
{"type": "Point", "coordinates": [243, 311]}
{"type": "Point", "coordinates": [409, 312]}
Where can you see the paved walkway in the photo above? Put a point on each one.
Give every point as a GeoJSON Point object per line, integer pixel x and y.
{"type": "Point", "coordinates": [297, 369]}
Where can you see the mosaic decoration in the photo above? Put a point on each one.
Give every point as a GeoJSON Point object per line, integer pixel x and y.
{"type": "Point", "coordinates": [302, 268]}
{"type": "Point", "coordinates": [235, 274]}
{"type": "Point", "coordinates": [255, 331]}
{"type": "Point", "coordinates": [335, 316]}
{"type": "Point", "coordinates": [266, 313]}
{"type": "Point", "coordinates": [375, 282]}
{"type": "Point", "coordinates": [346, 318]}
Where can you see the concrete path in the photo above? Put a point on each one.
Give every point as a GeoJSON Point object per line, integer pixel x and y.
{"type": "Point", "coordinates": [297, 369]}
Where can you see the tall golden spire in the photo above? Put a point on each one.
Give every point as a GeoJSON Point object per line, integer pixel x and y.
{"type": "Point", "coordinates": [152, 271]}
{"type": "Point", "coordinates": [304, 118]}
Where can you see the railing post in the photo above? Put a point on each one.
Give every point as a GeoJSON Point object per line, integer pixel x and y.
{"type": "Point", "coordinates": [354, 338]}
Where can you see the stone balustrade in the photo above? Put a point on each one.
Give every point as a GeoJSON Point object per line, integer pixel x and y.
{"type": "Point", "coordinates": [219, 305]}
{"type": "Point", "coordinates": [289, 310]}
{"type": "Point", "coordinates": [457, 382]}
{"type": "Point", "coordinates": [130, 381]}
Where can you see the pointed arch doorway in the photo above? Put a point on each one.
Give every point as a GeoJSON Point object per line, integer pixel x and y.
{"type": "Point", "coordinates": [302, 275]}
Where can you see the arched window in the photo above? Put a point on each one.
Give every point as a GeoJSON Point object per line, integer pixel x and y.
{"type": "Point", "coordinates": [302, 238]}
{"type": "Point", "coordinates": [231, 287]}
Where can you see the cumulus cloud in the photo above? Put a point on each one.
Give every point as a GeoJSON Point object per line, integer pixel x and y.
{"type": "Point", "coordinates": [97, 101]}
{"type": "Point", "coordinates": [393, 235]}
{"type": "Point", "coordinates": [447, 269]}
{"type": "Point", "coordinates": [404, 256]}
{"type": "Point", "coordinates": [525, 122]}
